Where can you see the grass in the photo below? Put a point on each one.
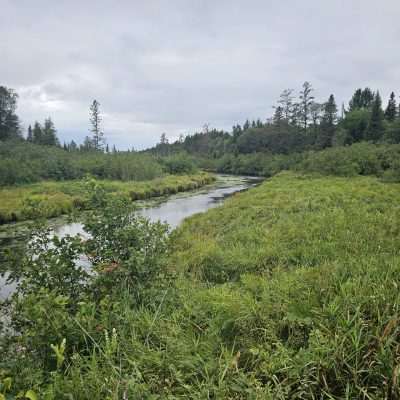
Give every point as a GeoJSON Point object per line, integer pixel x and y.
{"type": "Point", "coordinates": [50, 198]}
{"type": "Point", "coordinates": [287, 291]}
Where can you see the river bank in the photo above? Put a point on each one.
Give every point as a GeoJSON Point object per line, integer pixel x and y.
{"type": "Point", "coordinates": [49, 199]}
{"type": "Point", "coordinates": [284, 291]}
{"type": "Point", "coordinates": [172, 209]}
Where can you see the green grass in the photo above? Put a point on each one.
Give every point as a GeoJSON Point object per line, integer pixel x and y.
{"type": "Point", "coordinates": [50, 198]}
{"type": "Point", "coordinates": [287, 291]}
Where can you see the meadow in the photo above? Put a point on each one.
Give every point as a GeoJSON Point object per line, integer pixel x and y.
{"type": "Point", "coordinates": [287, 291]}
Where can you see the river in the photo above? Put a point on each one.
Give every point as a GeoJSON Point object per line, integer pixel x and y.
{"type": "Point", "coordinates": [172, 209]}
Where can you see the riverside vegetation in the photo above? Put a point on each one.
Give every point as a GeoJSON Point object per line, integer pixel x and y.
{"type": "Point", "coordinates": [51, 198]}
{"type": "Point", "coordinates": [289, 290]}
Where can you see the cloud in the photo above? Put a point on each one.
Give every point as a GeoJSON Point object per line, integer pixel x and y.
{"type": "Point", "coordinates": [171, 66]}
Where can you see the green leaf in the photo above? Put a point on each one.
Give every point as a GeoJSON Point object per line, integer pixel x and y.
{"type": "Point", "coordinates": [7, 384]}
{"type": "Point", "coordinates": [31, 395]}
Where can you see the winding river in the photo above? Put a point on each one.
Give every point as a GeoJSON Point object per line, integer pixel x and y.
{"type": "Point", "coordinates": [172, 209]}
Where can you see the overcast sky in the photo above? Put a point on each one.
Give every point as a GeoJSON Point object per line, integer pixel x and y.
{"type": "Point", "coordinates": [172, 66]}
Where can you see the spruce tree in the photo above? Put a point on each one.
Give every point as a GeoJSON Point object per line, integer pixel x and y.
{"type": "Point", "coordinates": [49, 136]}
{"type": "Point", "coordinates": [375, 127]}
{"type": "Point", "coordinates": [306, 101]}
{"type": "Point", "coordinates": [37, 134]}
{"type": "Point", "coordinates": [95, 121]}
{"type": "Point", "coordinates": [391, 109]}
{"type": "Point", "coordinates": [328, 123]}
{"type": "Point", "coordinates": [9, 122]}
{"type": "Point", "coordinates": [278, 116]}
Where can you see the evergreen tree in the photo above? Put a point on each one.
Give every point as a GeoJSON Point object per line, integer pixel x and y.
{"type": "Point", "coordinates": [37, 133]}
{"type": "Point", "coordinates": [29, 136]}
{"type": "Point", "coordinates": [286, 103]}
{"type": "Point", "coordinates": [9, 122]}
{"type": "Point", "coordinates": [361, 99]}
{"type": "Point", "coordinates": [391, 109]}
{"type": "Point", "coordinates": [72, 146]}
{"type": "Point", "coordinates": [246, 125]}
{"type": "Point", "coordinates": [49, 136]}
{"type": "Point", "coordinates": [87, 144]}
{"type": "Point", "coordinates": [236, 131]}
{"type": "Point", "coordinates": [95, 120]}
{"type": "Point", "coordinates": [306, 100]}
{"type": "Point", "coordinates": [328, 122]}
{"type": "Point", "coordinates": [278, 117]}
{"type": "Point", "coordinates": [375, 127]}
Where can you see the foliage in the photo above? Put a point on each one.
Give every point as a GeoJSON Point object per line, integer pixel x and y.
{"type": "Point", "coordinates": [51, 199]}
{"type": "Point", "coordinates": [289, 290]}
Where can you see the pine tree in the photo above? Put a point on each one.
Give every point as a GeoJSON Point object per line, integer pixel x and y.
{"type": "Point", "coordinates": [306, 100]}
{"type": "Point", "coordinates": [95, 120]}
{"type": "Point", "coordinates": [375, 127]}
{"type": "Point", "coordinates": [391, 109]}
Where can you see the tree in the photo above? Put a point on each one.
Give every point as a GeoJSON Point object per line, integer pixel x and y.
{"type": "Point", "coordinates": [278, 117]}
{"type": "Point", "coordinates": [37, 135]}
{"type": "Point", "coordinates": [306, 100]}
{"type": "Point", "coordinates": [87, 144]}
{"type": "Point", "coordinates": [356, 124]}
{"type": "Point", "coordinates": [391, 109]}
{"type": "Point", "coordinates": [375, 127]}
{"type": "Point", "coordinates": [315, 113]}
{"type": "Point", "coordinates": [9, 122]}
{"type": "Point", "coordinates": [49, 136]}
{"type": "Point", "coordinates": [286, 103]}
{"type": "Point", "coordinates": [361, 99]}
{"type": "Point", "coordinates": [29, 136]}
{"type": "Point", "coordinates": [328, 122]}
{"type": "Point", "coordinates": [95, 120]}
{"type": "Point", "coordinates": [72, 146]}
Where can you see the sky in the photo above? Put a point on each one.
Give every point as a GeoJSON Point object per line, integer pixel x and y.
{"type": "Point", "coordinates": [172, 66]}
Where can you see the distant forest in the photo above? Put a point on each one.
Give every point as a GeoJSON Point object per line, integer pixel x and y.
{"type": "Point", "coordinates": [362, 137]}
{"type": "Point", "coordinates": [300, 123]}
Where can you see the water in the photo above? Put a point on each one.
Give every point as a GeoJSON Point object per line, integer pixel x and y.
{"type": "Point", "coordinates": [173, 210]}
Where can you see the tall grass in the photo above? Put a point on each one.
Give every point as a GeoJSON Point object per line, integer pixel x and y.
{"type": "Point", "coordinates": [50, 198]}
{"type": "Point", "coordinates": [287, 291]}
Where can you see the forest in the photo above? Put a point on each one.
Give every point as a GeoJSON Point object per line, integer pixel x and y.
{"type": "Point", "coordinates": [288, 290]}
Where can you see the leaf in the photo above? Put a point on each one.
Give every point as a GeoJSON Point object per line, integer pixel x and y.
{"type": "Point", "coordinates": [31, 395]}
{"type": "Point", "coordinates": [2, 397]}
{"type": "Point", "coordinates": [7, 384]}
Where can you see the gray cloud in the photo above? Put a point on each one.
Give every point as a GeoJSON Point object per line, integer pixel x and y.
{"type": "Point", "coordinates": [170, 66]}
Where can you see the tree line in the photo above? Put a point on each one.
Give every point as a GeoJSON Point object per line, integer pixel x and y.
{"type": "Point", "coordinates": [299, 123]}
{"type": "Point", "coordinates": [45, 133]}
